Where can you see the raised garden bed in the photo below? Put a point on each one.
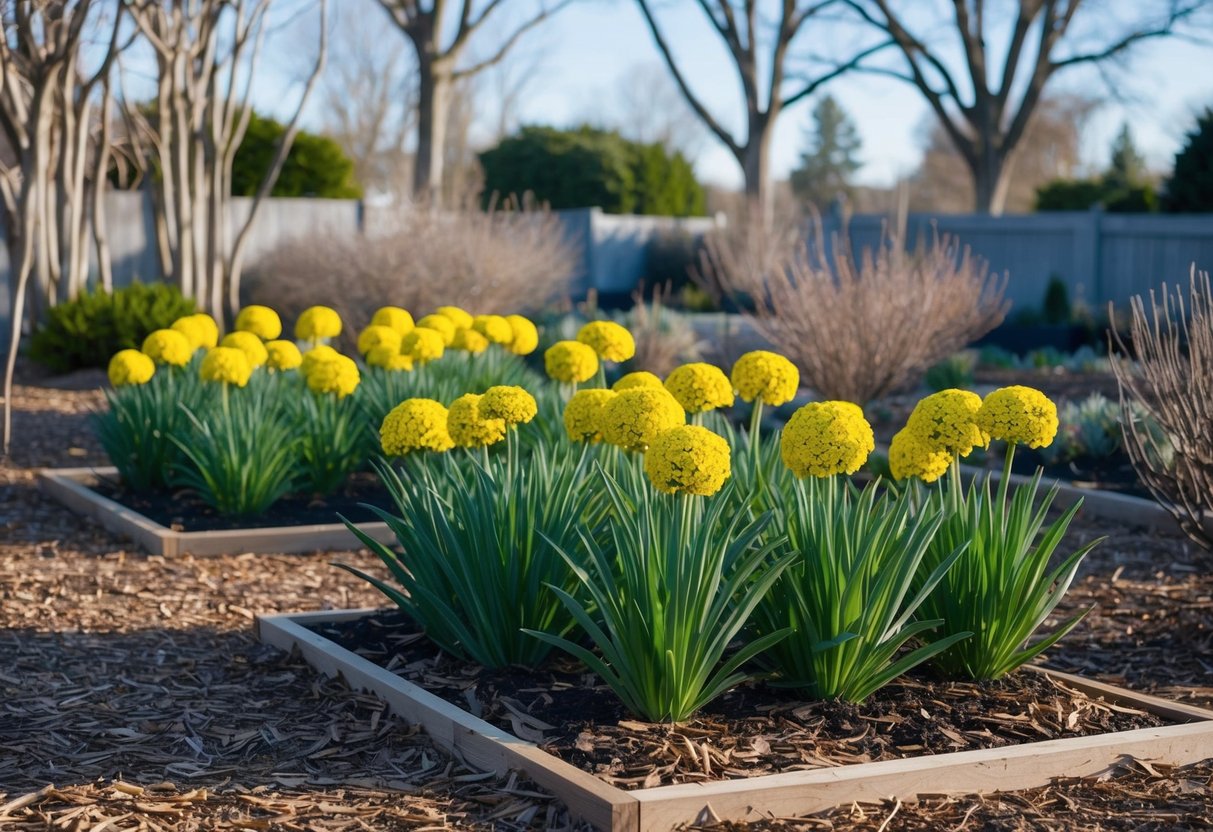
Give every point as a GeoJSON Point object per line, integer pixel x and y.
{"type": "Point", "coordinates": [1116, 723]}
{"type": "Point", "coordinates": [84, 490]}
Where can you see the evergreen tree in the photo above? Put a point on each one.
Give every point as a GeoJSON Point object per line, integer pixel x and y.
{"type": "Point", "coordinates": [831, 157]}
{"type": "Point", "coordinates": [1190, 188]}
{"type": "Point", "coordinates": [1127, 166]}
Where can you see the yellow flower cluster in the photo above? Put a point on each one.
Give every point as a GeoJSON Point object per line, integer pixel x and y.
{"type": "Point", "coordinates": [440, 324]}
{"type": "Point", "coordinates": [317, 322]}
{"type": "Point", "coordinates": [469, 340]}
{"type": "Point", "coordinates": [640, 378]}
{"type": "Point", "coordinates": [947, 421]}
{"type": "Point", "coordinates": [200, 329]}
{"type": "Point", "coordinates": [389, 359]}
{"type": "Point", "coordinates": [525, 337]}
{"type": "Point", "coordinates": [378, 335]}
{"type": "Point", "coordinates": [688, 460]}
{"type": "Point", "coordinates": [261, 321]}
{"type": "Point", "coordinates": [634, 418]}
{"type": "Point", "coordinates": [415, 425]}
{"type": "Point", "coordinates": [423, 345]}
{"type": "Point", "coordinates": [699, 387]}
{"type": "Point", "coordinates": [228, 365]}
{"type": "Point", "coordinates": [512, 405]}
{"type": "Point", "coordinates": [493, 327]}
{"type": "Point", "coordinates": [912, 456]}
{"type": "Point", "coordinates": [283, 355]}
{"type": "Point", "coordinates": [393, 317]}
{"type": "Point", "coordinates": [609, 340]}
{"type": "Point", "coordinates": [583, 414]}
{"type": "Point", "coordinates": [315, 356]}
{"type": "Point", "coordinates": [826, 438]}
{"type": "Point", "coordinates": [571, 362]}
{"type": "Point", "coordinates": [130, 367]}
{"type": "Point", "coordinates": [1020, 415]}
{"type": "Point", "coordinates": [458, 317]}
{"type": "Point", "coordinates": [249, 344]}
{"type": "Point", "coordinates": [468, 425]}
{"type": "Point", "coordinates": [766, 376]}
{"type": "Point", "coordinates": [168, 346]}
{"type": "Point", "coordinates": [338, 375]}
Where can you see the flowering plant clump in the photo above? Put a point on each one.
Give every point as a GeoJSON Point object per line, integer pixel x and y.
{"type": "Point", "coordinates": [249, 344]}
{"type": "Point", "coordinates": [415, 425]}
{"type": "Point", "coordinates": [947, 421]}
{"type": "Point", "coordinates": [493, 327]}
{"type": "Point", "coordinates": [571, 362]}
{"type": "Point", "coordinates": [168, 346]}
{"type": "Point", "coordinates": [640, 378]}
{"type": "Point", "coordinates": [393, 317]}
{"type": "Point", "coordinates": [228, 365]}
{"type": "Point", "coordinates": [200, 328]}
{"type": "Point", "coordinates": [440, 324]}
{"type": "Point", "coordinates": [512, 405]}
{"type": "Point", "coordinates": [823, 439]}
{"type": "Point", "coordinates": [389, 359]}
{"type": "Point", "coordinates": [634, 418]}
{"type": "Point", "coordinates": [261, 321]}
{"type": "Point", "coordinates": [609, 340]}
{"type": "Point", "coordinates": [423, 345]}
{"type": "Point", "coordinates": [130, 367]}
{"type": "Point", "coordinates": [525, 337]}
{"type": "Point", "coordinates": [338, 376]}
{"type": "Point", "coordinates": [317, 323]}
{"type": "Point", "coordinates": [583, 414]}
{"type": "Point", "coordinates": [283, 355]}
{"type": "Point", "coordinates": [766, 377]}
{"type": "Point", "coordinates": [468, 425]}
{"type": "Point", "coordinates": [911, 456]}
{"type": "Point", "coordinates": [688, 460]}
{"type": "Point", "coordinates": [699, 387]}
{"type": "Point", "coordinates": [1019, 414]}
{"type": "Point", "coordinates": [317, 355]}
{"type": "Point", "coordinates": [378, 335]}
{"type": "Point", "coordinates": [469, 340]}
{"type": "Point", "coordinates": [459, 318]}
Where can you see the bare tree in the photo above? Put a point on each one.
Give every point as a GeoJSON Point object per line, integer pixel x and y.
{"type": "Point", "coordinates": [207, 55]}
{"type": "Point", "coordinates": [47, 109]}
{"type": "Point", "coordinates": [440, 48]}
{"type": "Point", "coordinates": [651, 109]}
{"type": "Point", "coordinates": [985, 104]}
{"type": "Point", "coordinates": [736, 23]}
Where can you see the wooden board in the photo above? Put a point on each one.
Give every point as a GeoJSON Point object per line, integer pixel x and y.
{"type": "Point", "coordinates": [72, 487]}
{"type": "Point", "coordinates": [779, 795]}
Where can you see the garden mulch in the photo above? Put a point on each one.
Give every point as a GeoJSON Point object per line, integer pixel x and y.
{"type": "Point", "coordinates": [134, 686]}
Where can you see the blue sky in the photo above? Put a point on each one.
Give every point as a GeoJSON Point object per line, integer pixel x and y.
{"type": "Point", "coordinates": [591, 46]}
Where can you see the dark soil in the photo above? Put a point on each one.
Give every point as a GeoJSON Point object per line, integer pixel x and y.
{"type": "Point", "coordinates": [754, 730]}
{"type": "Point", "coordinates": [184, 511]}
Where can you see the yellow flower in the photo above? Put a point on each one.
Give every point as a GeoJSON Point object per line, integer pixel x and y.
{"type": "Point", "coordinates": [634, 418]}
{"type": "Point", "coordinates": [318, 322]}
{"type": "Point", "coordinates": [583, 414]}
{"type": "Point", "coordinates": [283, 355]}
{"type": "Point", "coordinates": [249, 344]}
{"type": "Point", "coordinates": [911, 456]}
{"type": "Point", "coordinates": [607, 338]}
{"type": "Point", "coordinates": [378, 335]}
{"type": "Point", "coordinates": [388, 359]}
{"type": "Point", "coordinates": [947, 421]}
{"type": "Point", "coordinates": [699, 387]}
{"type": "Point", "coordinates": [570, 361]}
{"type": "Point", "coordinates": [423, 344]}
{"type": "Point", "coordinates": [130, 367]}
{"type": "Point", "coordinates": [168, 346]}
{"type": "Point", "coordinates": [525, 336]}
{"type": "Point", "coordinates": [415, 425]}
{"type": "Point", "coordinates": [456, 316]}
{"type": "Point", "coordinates": [640, 378]}
{"type": "Point", "coordinates": [338, 375]}
{"type": "Point", "coordinates": [440, 324]}
{"type": "Point", "coordinates": [469, 340]}
{"type": "Point", "coordinates": [512, 405]}
{"type": "Point", "coordinates": [494, 327]}
{"type": "Point", "coordinates": [261, 321]}
{"type": "Point", "coordinates": [767, 376]}
{"type": "Point", "coordinates": [393, 317]}
{"type": "Point", "coordinates": [468, 426]}
{"type": "Point", "coordinates": [317, 355]}
{"type": "Point", "coordinates": [200, 329]}
{"type": "Point", "coordinates": [688, 460]}
{"type": "Point", "coordinates": [826, 438]}
{"type": "Point", "coordinates": [1019, 414]}
{"type": "Point", "coordinates": [228, 365]}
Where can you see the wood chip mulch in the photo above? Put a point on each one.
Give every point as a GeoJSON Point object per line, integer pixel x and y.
{"type": "Point", "coordinates": [139, 700]}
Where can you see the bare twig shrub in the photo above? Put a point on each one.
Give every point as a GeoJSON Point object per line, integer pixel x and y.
{"type": "Point", "coordinates": [498, 261]}
{"type": "Point", "coordinates": [857, 328]}
{"type": "Point", "coordinates": [1172, 380]}
{"type": "Point", "coordinates": [664, 338]}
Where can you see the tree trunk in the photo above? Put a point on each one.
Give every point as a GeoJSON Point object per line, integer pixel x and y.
{"type": "Point", "coordinates": [755, 162]}
{"type": "Point", "coordinates": [433, 105]}
{"type": "Point", "coordinates": [991, 181]}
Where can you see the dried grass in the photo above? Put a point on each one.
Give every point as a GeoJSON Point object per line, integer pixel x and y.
{"type": "Point", "coordinates": [858, 328]}
{"type": "Point", "coordinates": [1172, 379]}
{"type": "Point", "coordinates": [664, 338]}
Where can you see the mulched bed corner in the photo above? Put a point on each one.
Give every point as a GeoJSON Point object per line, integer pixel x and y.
{"type": "Point", "coordinates": [751, 731]}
